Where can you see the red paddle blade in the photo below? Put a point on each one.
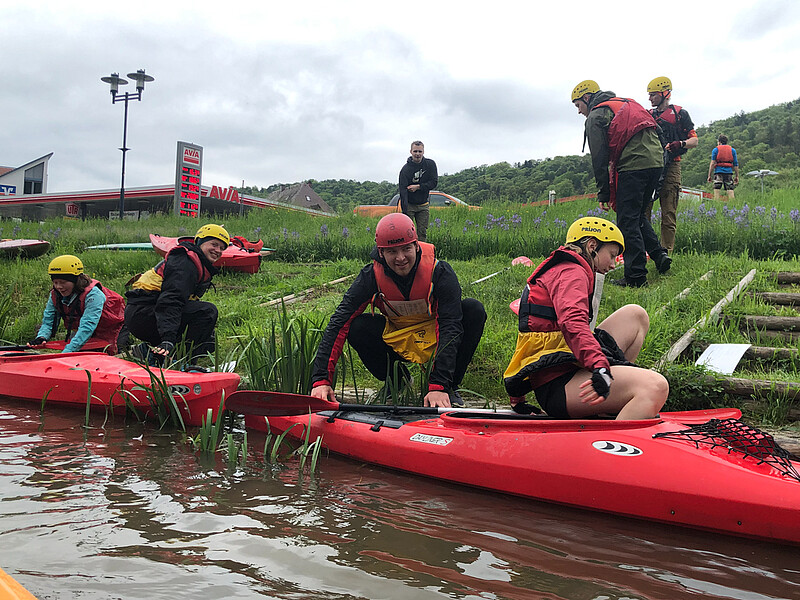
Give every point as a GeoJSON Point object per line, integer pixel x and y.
{"type": "Point", "coordinates": [275, 404]}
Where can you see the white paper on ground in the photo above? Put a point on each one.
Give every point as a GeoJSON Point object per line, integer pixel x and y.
{"type": "Point", "coordinates": [722, 358]}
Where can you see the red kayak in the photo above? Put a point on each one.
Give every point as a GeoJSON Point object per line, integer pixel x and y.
{"type": "Point", "coordinates": [23, 248]}
{"type": "Point", "coordinates": [245, 258]}
{"type": "Point", "coordinates": [63, 378]}
{"type": "Point", "coordinates": [687, 468]}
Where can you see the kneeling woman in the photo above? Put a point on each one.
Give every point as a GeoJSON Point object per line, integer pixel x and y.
{"type": "Point", "coordinates": [573, 372]}
{"type": "Point", "coordinates": [164, 303]}
{"type": "Point", "coordinates": [92, 314]}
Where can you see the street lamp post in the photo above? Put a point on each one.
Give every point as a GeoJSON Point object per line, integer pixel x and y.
{"type": "Point", "coordinates": [114, 81]}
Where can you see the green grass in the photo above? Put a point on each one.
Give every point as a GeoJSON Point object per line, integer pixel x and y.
{"type": "Point", "coordinates": [273, 345]}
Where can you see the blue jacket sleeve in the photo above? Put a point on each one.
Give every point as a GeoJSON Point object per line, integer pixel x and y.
{"type": "Point", "coordinates": [92, 309]}
{"type": "Point", "coordinates": [48, 320]}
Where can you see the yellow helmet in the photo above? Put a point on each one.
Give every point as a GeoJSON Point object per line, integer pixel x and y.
{"type": "Point", "coordinates": [65, 265]}
{"type": "Point", "coordinates": [589, 86]}
{"type": "Point", "coordinates": [659, 84]}
{"type": "Point", "coordinates": [600, 229]}
{"type": "Point", "coordinates": [215, 231]}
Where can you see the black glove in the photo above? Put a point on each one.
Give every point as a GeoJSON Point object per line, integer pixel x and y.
{"type": "Point", "coordinates": [523, 408]}
{"type": "Point", "coordinates": [37, 341]}
{"type": "Point", "coordinates": [601, 381]}
{"type": "Point", "coordinates": [167, 347]}
{"type": "Point", "coordinates": [674, 147]}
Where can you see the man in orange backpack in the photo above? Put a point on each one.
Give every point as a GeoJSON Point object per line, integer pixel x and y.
{"type": "Point", "coordinates": [627, 160]}
{"type": "Point", "coordinates": [724, 167]}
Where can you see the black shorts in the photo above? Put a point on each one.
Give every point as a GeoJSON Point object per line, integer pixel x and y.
{"type": "Point", "coordinates": [552, 396]}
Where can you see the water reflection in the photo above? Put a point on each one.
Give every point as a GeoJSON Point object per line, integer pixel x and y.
{"type": "Point", "coordinates": [131, 512]}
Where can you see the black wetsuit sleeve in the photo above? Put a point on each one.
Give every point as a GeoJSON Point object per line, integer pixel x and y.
{"type": "Point", "coordinates": [447, 299]}
{"type": "Point", "coordinates": [180, 280]}
{"type": "Point", "coordinates": [353, 304]}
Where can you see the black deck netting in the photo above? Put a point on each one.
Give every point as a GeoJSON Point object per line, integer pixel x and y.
{"type": "Point", "coordinates": [735, 436]}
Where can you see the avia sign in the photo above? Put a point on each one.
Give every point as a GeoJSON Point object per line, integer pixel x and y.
{"type": "Point", "coordinates": [191, 156]}
{"type": "Point", "coordinates": [229, 194]}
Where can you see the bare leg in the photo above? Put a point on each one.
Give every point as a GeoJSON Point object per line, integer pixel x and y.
{"type": "Point", "coordinates": [628, 326]}
{"type": "Point", "coordinates": [635, 394]}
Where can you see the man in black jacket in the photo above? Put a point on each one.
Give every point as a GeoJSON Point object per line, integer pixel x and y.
{"type": "Point", "coordinates": [417, 178]}
{"type": "Point", "coordinates": [423, 317]}
{"type": "Point", "coordinates": [164, 303]}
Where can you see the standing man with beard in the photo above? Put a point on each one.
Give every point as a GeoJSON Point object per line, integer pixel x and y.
{"type": "Point", "coordinates": [417, 178]}
{"type": "Point", "coordinates": [679, 135]}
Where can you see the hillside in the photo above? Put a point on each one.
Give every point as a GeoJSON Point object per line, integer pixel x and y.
{"type": "Point", "coordinates": [768, 138]}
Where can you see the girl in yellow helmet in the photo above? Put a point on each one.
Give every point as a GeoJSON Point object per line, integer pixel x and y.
{"type": "Point", "coordinates": [573, 371]}
{"type": "Point", "coordinates": [92, 314]}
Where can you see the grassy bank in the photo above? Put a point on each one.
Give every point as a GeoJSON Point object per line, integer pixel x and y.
{"type": "Point", "coordinates": [728, 240]}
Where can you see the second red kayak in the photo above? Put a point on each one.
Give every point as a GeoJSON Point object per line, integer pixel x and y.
{"type": "Point", "coordinates": [681, 468]}
{"type": "Point", "coordinates": [64, 380]}
{"type": "Point", "coordinates": [245, 258]}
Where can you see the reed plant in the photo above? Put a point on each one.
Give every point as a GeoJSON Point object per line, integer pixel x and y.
{"type": "Point", "coordinates": [282, 361]}
{"type": "Point", "coordinates": [207, 438]}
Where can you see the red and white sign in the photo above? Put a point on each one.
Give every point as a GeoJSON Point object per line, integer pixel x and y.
{"type": "Point", "coordinates": [72, 209]}
{"type": "Point", "coordinates": [229, 194]}
{"type": "Point", "coordinates": [191, 156]}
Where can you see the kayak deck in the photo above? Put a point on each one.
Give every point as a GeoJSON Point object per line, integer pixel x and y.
{"type": "Point", "coordinates": [64, 379]}
{"type": "Point", "coordinates": [641, 469]}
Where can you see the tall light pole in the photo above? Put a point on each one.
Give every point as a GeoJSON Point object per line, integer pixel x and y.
{"type": "Point", "coordinates": [114, 80]}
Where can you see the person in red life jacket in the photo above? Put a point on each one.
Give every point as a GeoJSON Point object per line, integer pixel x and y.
{"type": "Point", "coordinates": [92, 314]}
{"type": "Point", "coordinates": [423, 317]}
{"type": "Point", "coordinates": [679, 134]}
{"type": "Point", "coordinates": [164, 303]}
{"type": "Point", "coordinates": [573, 371]}
{"type": "Point", "coordinates": [627, 159]}
{"type": "Point", "coordinates": [724, 167]}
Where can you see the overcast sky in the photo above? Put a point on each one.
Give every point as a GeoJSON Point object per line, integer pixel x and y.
{"type": "Point", "coordinates": [289, 91]}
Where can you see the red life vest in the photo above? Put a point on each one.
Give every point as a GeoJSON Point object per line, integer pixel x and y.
{"type": "Point", "coordinates": [111, 319]}
{"type": "Point", "coordinates": [724, 156]}
{"type": "Point", "coordinates": [390, 300]}
{"type": "Point", "coordinates": [630, 118]}
{"type": "Point", "coordinates": [536, 306]}
{"type": "Point", "coordinates": [671, 126]}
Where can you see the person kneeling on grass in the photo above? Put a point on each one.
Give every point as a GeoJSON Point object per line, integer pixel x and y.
{"type": "Point", "coordinates": [92, 314]}
{"type": "Point", "coordinates": [574, 372]}
{"type": "Point", "coordinates": [164, 303]}
{"type": "Point", "coordinates": [423, 317]}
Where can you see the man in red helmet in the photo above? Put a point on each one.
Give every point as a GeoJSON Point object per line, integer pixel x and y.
{"type": "Point", "coordinates": [423, 317]}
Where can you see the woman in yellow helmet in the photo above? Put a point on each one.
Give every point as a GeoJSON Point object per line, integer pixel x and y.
{"type": "Point", "coordinates": [573, 371]}
{"type": "Point", "coordinates": [92, 314]}
{"type": "Point", "coordinates": [164, 303]}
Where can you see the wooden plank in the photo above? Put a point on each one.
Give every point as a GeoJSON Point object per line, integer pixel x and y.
{"type": "Point", "coordinates": [683, 294]}
{"type": "Point", "coordinates": [771, 322]}
{"type": "Point", "coordinates": [678, 347]}
{"type": "Point", "coordinates": [774, 335]}
{"type": "Point", "coordinates": [781, 298]}
{"type": "Point", "coordinates": [300, 295]}
{"type": "Point", "coordinates": [787, 277]}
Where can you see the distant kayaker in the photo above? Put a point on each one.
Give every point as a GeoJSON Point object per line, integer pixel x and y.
{"type": "Point", "coordinates": [164, 303]}
{"type": "Point", "coordinates": [423, 317]}
{"type": "Point", "coordinates": [92, 314]}
{"type": "Point", "coordinates": [573, 371]}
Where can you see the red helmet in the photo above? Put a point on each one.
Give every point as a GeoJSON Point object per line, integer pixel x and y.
{"type": "Point", "coordinates": [396, 229]}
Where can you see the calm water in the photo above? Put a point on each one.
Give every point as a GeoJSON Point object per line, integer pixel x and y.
{"type": "Point", "coordinates": [130, 512]}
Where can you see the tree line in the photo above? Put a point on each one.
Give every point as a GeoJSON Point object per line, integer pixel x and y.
{"type": "Point", "coordinates": [764, 139]}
